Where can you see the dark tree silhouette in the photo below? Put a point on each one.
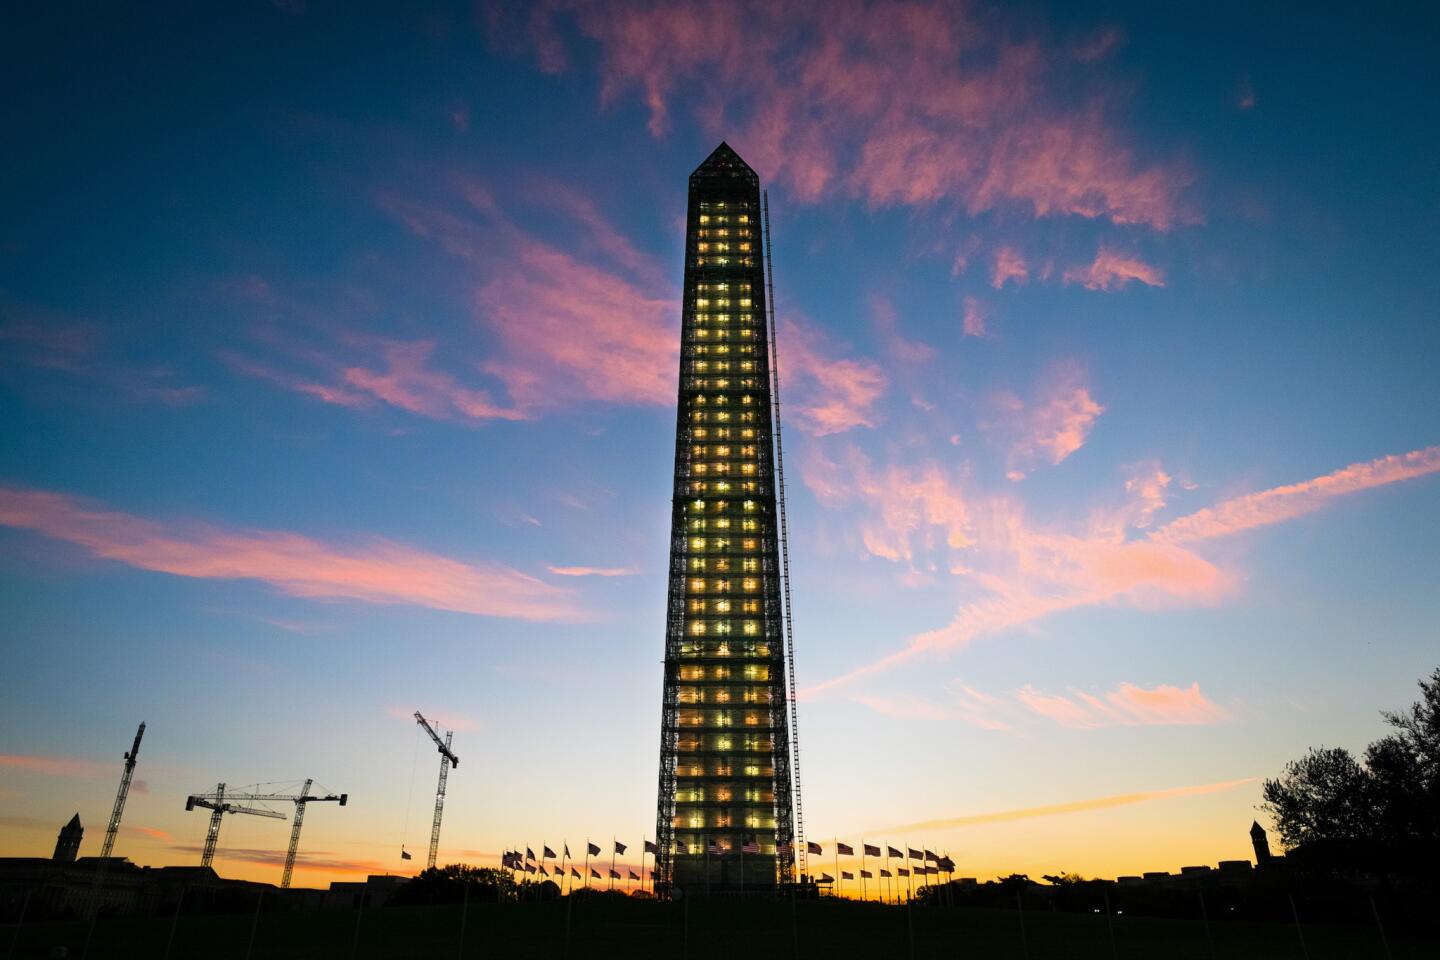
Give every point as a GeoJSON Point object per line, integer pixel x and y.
{"type": "Point", "coordinates": [1390, 796]}
{"type": "Point", "coordinates": [447, 885]}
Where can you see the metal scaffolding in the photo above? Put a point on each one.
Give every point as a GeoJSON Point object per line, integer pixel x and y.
{"type": "Point", "coordinates": [724, 816]}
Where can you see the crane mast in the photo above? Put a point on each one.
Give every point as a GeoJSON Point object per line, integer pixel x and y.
{"type": "Point", "coordinates": [218, 806]}
{"type": "Point", "coordinates": [300, 803]}
{"type": "Point", "coordinates": [448, 759]}
{"type": "Point", "coordinates": [120, 796]}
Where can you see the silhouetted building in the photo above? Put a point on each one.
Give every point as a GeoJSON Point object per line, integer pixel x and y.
{"type": "Point", "coordinates": [725, 779]}
{"type": "Point", "coordinates": [67, 844]}
{"type": "Point", "coordinates": [1261, 843]}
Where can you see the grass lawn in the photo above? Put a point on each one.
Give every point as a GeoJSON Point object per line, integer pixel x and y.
{"type": "Point", "coordinates": [643, 930]}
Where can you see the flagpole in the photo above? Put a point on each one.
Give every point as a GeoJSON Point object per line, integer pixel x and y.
{"type": "Point", "coordinates": [613, 850]}
{"type": "Point", "coordinates": [837, 865]}
{"type": "Point", "coordinates": [587, 863]}
{"type": "Point", "coordinates": [862, 869]}
{"type": "Point", "coordinates": [564, 849]}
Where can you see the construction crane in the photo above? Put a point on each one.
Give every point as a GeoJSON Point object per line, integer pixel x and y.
{"type": "Point", "coordinates": [447, 760]}
{"type": "Point", "coordinates": [109, 845]}
{"type": "Point", "coordinates": [219, 805]}
{"type": "Point", "coordinates": [300, 803]}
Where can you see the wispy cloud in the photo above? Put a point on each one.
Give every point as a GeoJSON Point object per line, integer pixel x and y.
{"type": "Point", "coordinates": [975, 318]}
{"type": "Point", "coordinates": [1048, 428]}
{"type": "Point", "coordinates": [447, 719]}
{"type": "Point", "coordinates": [372, 570]}
{"type": "Point", "coordinates": [962, 703]}
{"type": "Point", "coordinates": [319, 861]}
{"type": "Point", "coordinates": [593, 571]}
{"type": "Point", "coordinates": [1297, 499]}
{"type": "Point", "coordinates": [56, 766]}
{"type": "Point", "coordinates": [908, 511]}
{"type": "Point", "coordinates": [1126, 705]}
{"type": "Point", "coordinates": [1074, 806]}
{"type": "Point", "coordinates": [1008, 266]}
{"type": "Point", "coordinates": [52, 341]}
{"type": "Point", "coordinates": [1028, 573]}
{"type": "Point", "coordinates": [410, 383]}
{"type": "Point", "coordinates": [887, 324]}
{"type": "Point", "coordinates": [824, 393]}
{"type": "Point", "coordinates": [1114, 271]}
{"type": "Point", "coordinates": [895, 103]}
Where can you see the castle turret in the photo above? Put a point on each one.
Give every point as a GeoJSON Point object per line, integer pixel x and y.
{"type": "Point", "coordinates": [67, 845]}
{"type": "Point", "coordinates": [1261, 843]}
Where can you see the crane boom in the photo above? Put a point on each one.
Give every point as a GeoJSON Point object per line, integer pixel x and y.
{"type": "Point", "coordinates": [448, 759]}
{"type": "Point", "coordinates": [120, 796]}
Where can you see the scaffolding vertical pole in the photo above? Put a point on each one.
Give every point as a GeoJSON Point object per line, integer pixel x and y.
{"type": "Point", "coordinates": [799, 835]}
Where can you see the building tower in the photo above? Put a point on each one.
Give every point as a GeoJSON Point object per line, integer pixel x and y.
{"type": "Point", "coordinates": [67, 844]}
{"type": "Point", "coordinates": [1261, 843]}
{"type": "Point", "coordinates": [725, 818]}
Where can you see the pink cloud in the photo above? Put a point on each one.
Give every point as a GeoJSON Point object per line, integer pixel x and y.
{"type": "Point", "coordinates": [960, 706]}
{"type": "Point", "coordinates": [571, 329]}
{"type": "Point", "coordinates": [374, 571]}
{"type": "Point", "coordinates": [1030, 574]}
{"type": "Point", "coordinates": [1074, 806]}
{"type": "Point", "coordinates": [593, 571]}
{"type": "Point", "coordinates": [887, 323]}
{"type": "Point", "coordinates": [337, 395]}
{"type": "Point", "coordinates": [1051, 427]}
{"type": "Point", "coordinates": [1297, 499]}
{"type": "Point", "coordinates": [51, 341]}
{"type": "Point", "coordinates": [596, 323]}
{"type": "Point", "coordinates": [825, 394]}
{"type": "Point", "coordinates": [907, 513]}
{"type": "Point", "coordinates": [1113, 271]}
{"type": "Point", "coordinates": [1146, 486]}
{"type": "Point", "coordinates": [1126, 705]}
{"type": "Point", "coordinates": [149, 833]}
{"type": "Point", "coordinates": [1009, 265]}
{"type": "Point", "coordinates": [896, 103]}
{"type": "Point", "coordinates": [976, 318]}
{"type": "Point", "coordinates": [446, 720]}
{"type": "Point", "coordinates": [410, 383]}
{"type": "Point", "coordinates": [56, 766]}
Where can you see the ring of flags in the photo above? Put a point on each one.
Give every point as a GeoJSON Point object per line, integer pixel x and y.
{"type": "Point", "coordinates": [923, 862]}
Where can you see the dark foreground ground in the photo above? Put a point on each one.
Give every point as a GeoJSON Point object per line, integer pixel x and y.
{"type": "Point", "coordinates": [642, 930]}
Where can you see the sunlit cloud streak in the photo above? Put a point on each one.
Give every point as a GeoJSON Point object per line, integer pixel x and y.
{"type": "Point", "coordinates": [373, 571]}
{"type": "Point", "coordinates": [1114, 271]}
{"type": "Point", "coordinates": [1037, 573]}
{"type": "Point", "coordinates": [896, 103]}
{"type": "Point", "coordinates": [1126, 705]}
{"type": "Point", "coordinates": [408, 382]}
{"type": "Point", "coordinates": [1297, 499]}
{"type": "Point", "coordinates": [317, 860]}
{"type": "Point", "coordinates": [593, 571]}
{"type": "Point", "coordinates": [1076, 806]}
{"type": "Point", "coordinates": [56, 766]}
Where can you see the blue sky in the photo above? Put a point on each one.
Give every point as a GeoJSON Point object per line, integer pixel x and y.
{"type": "Point", "coordinates": [337, 355]}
